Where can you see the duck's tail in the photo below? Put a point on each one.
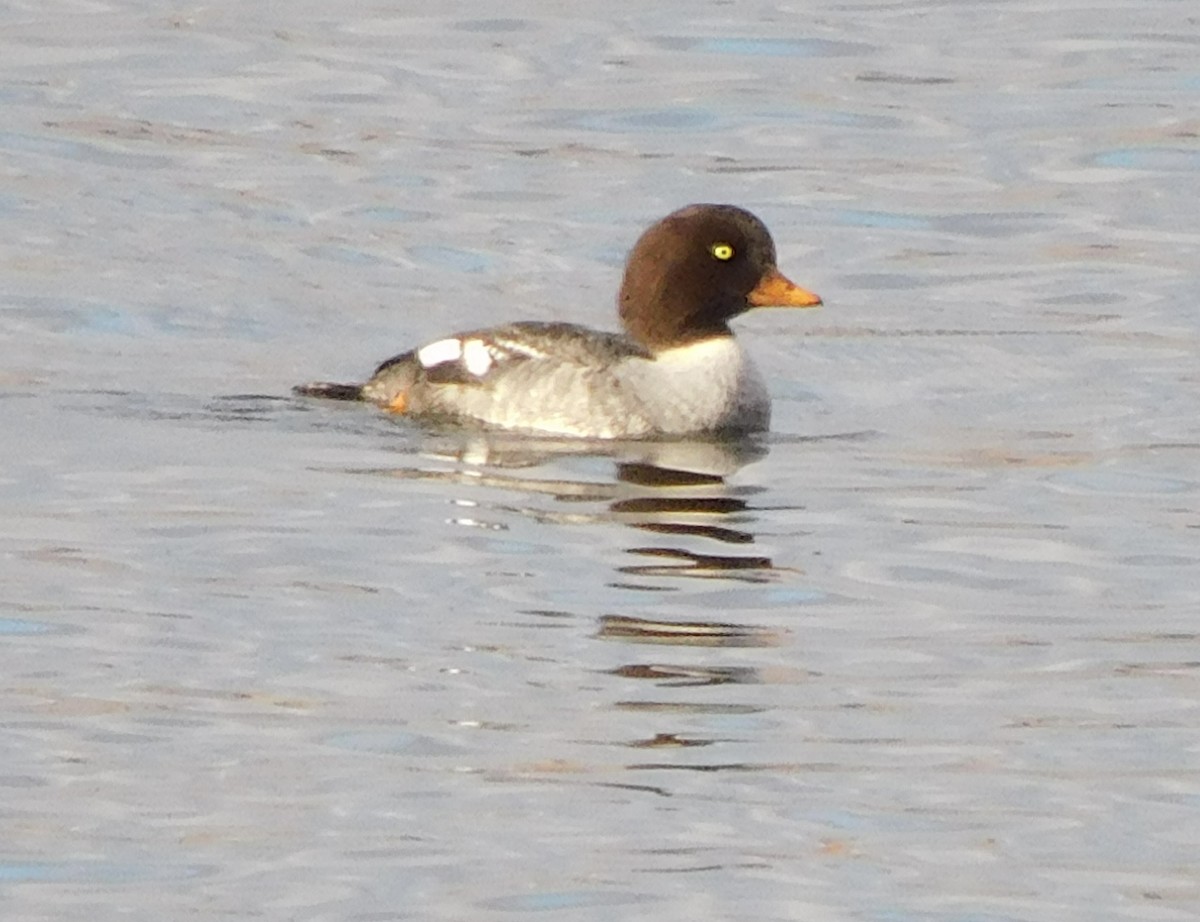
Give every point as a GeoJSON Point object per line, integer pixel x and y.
{"type": "Point", "coordinates": [329, 390]}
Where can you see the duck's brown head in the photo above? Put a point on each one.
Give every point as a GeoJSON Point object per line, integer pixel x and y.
{"type": "Point", "coordinates": [697, 268]}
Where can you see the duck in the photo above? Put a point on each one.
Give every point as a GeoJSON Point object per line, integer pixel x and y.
{"type": "Point", "coordinates": [675, 371]}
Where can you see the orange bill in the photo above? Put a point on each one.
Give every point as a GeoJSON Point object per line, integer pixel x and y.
{"type": "Point", "coordinates": [776, 290]}
{"type": "Point", "coordinates": [397, 404]}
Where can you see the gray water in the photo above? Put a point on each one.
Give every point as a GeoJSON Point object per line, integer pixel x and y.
{"type": "Point", "coordinates": [927, 651]}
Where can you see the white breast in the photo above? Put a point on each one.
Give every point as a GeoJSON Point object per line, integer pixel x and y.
{"type": "Point", "coordinates": [707, 385]}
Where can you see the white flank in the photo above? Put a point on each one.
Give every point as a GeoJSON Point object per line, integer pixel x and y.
{"type": "Point", "coordinates": [476, 357]}
{"type": "Point", "coordinates": [444, 350]}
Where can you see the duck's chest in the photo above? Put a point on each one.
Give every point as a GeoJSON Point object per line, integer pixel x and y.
{"type": "Point", "coordinates": [708, 385]}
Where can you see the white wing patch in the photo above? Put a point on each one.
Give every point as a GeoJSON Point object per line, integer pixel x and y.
{"type": "Point", "coordinates": [477, 357]}
{"type": "Point", "coordinates": [444, 350]}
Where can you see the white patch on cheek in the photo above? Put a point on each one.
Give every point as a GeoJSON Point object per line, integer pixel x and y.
{"type": "Point", "coordinates": [476, 357]}
{"type": "Point", "coordinates": [444, 350]}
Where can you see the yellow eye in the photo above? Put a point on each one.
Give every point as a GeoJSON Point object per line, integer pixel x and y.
{"type": "Point", "coordinates": [722, 251]}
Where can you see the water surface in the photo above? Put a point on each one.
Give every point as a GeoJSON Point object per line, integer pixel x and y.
{"type": "Point", "coordinates": [926, 651]}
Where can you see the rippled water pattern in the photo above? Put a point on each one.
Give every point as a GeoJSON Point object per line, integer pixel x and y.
{"type": "Point", "coordinates": [929, 651]}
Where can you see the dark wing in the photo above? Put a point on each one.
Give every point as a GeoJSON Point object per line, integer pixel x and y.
{"type": "Point", "coordinates": [477, 356]}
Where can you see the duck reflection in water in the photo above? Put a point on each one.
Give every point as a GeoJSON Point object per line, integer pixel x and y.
{"type": "Point", "coordinates": [673, 488]}
{"type": "Point", "coordinates": [669, 488]}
